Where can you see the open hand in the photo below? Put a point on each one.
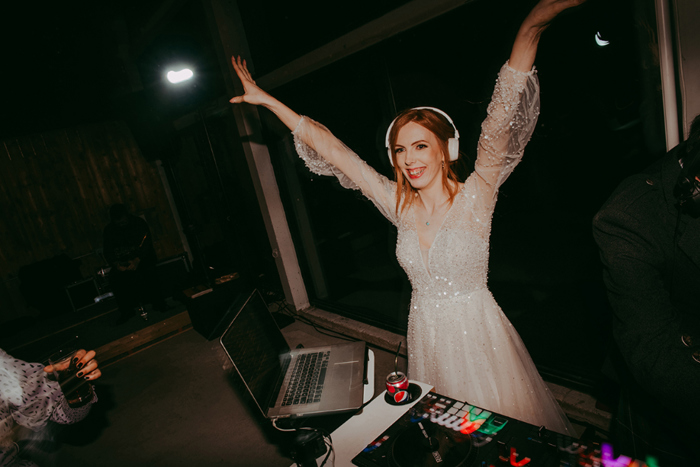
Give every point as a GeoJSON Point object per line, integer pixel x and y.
{"type": "Point", "coordinates": [252, 93]}
{"type": "Point", "coordinates": [85, 364]}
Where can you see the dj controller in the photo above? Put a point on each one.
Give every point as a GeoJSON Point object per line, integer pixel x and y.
{"type": "Point", "coordinates": [439, 431]}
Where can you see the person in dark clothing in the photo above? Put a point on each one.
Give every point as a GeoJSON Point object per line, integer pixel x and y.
{"type": "Point", "coordinates": [648, 233]}
{"type": "Point", "coordinates": [128, 248]}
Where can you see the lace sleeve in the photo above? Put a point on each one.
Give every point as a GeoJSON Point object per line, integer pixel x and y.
{"type": "Point", "coordinates": [317, 146]}
{"type": "Point", "coordinates": [511, 118]}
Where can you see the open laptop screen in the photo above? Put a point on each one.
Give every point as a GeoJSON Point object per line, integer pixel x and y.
{"type": "Point", "coordinates": [254, 344]}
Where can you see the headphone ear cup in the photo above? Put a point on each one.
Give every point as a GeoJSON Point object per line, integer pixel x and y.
{"type": "Point", "coordinates": [453, 148]}
{"type": "Point", "coordinates": [391, 157]}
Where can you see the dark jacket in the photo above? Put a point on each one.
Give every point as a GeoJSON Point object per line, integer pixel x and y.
{"type": "Point", "coordinates": [651, 258]}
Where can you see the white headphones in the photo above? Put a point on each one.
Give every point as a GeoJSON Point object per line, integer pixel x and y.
{"type": "Point", "coordinates": [452, 143]}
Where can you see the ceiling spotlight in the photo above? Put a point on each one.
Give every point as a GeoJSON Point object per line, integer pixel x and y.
{"type": "Point", "coordinates": [179, 76]}
{"type": "Point", "coordinates": [600, 41]}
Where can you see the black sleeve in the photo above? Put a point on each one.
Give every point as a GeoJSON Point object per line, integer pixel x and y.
{"type": "Point", "coordinates": [108, 245]}
{"type": "Point", "coordinates": [646, 323]}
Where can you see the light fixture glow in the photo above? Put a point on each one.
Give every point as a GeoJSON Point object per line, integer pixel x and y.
{"type": "Point", "coordinates": [599, 40]}
{"type": "Point", "coordinates": [179, 76]}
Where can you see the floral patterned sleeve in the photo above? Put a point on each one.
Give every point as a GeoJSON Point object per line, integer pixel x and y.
{"type": "Point", "coordinates": [30, 399]}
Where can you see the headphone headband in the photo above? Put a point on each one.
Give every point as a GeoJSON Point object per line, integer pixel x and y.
{"type": "Point", "coordinates": [452, 143]}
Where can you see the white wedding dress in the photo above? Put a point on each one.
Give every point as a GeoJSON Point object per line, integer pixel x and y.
{"type": "Point", "coordinates": [459, 340]}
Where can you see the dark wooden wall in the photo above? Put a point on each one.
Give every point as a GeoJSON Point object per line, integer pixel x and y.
{"type": "Point", "coordinates": [55, 192]}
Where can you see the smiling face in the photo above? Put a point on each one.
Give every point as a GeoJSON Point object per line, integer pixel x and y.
{"type": "Point", "coordinates": [419, 156]}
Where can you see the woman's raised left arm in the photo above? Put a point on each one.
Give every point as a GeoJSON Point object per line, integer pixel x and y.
{"type": "Point", "coordinates": [514, 108]}
{"type": "Point", "coordinates": [522, 56]}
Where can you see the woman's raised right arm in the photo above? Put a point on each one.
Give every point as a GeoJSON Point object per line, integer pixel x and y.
{"type": "Point", "coordinates": [322, 152]}
{"type": "Point", "coordinates": [252, 94]}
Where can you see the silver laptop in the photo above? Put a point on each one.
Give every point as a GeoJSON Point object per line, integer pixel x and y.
{"type": "Point", "coordinates": [292, 383]}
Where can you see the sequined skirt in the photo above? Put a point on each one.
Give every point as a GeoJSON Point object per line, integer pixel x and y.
{"type": "Point", "coordinates": [467, 348]}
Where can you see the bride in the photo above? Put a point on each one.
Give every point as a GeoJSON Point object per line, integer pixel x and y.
{"type": "Point", "coordinates": [458, 338]}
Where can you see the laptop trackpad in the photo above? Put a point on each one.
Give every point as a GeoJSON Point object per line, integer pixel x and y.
{"type": "Point", "coordinates": [340, 386]}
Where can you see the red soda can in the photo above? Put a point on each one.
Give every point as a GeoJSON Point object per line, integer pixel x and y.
{"type": "Point", "coordinates": [397, 386]}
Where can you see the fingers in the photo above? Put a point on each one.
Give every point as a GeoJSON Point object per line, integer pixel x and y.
{"type": "Point", "coordinates": [59, 366]}
{"type": "Point", "coordinates": [236, 62]}
{"type": "Point", "coordinates": [244, 68]}
{"type": "Point", "coordinates": [92, 376]}
{"type": "Point", "coordinates": [241, 68]}
{"type": "Point", "coordinates": [84, 363]}
{"type": "Point", "coordinates": [88, 369]}
{"type": "Point", "coordinates": [84, 358]}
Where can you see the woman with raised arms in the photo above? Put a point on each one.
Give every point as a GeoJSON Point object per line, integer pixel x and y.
{"type": "Point", "coordinates": [459, 340]}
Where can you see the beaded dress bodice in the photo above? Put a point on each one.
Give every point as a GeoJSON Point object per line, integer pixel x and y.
{"type": "Point", "coordinates": [457, 261]}
{"type": "Point", "coordinates": [459, 340]}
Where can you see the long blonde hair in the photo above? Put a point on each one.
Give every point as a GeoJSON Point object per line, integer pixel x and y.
{"type": "Point", "coordinates": [443, 130]}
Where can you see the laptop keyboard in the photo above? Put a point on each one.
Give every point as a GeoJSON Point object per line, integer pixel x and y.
{"type": "Point", "coordinates": [306, 383]}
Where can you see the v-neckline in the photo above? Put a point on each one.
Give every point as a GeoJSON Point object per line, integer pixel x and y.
{"type": "Point", "coordinates": [444, 219]}
{"type": "Point", "coordinates": [437, 234]}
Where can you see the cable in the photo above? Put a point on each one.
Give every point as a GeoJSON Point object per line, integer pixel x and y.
{"type": "Point", "coordinates": [319, 328]}
{"type": "Point", "coordinates": [283, 305]}
{"type": "Point", "coordinates": [274, 423]}
{"type": "Point", "coordinates": [325, 436]}
{"type": "Point", "coordinates": [329, 443]}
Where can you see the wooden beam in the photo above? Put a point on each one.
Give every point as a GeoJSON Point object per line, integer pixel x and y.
{"type": "Point", "coordinates": [143, 338]}
{"type": "Point", "coordinates": [384, 27]}
{"type": "Point", "coordinates": [226, 22]}
{"type": "Point", "coordinates": [391, 24]}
